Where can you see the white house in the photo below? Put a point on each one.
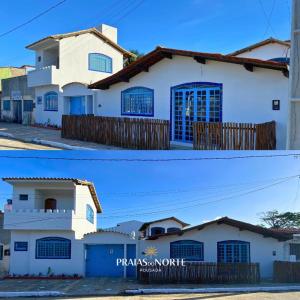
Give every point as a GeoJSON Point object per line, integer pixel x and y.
{"type": "Point", "coordinates": [186, 86]}
{"type": "Point", "coordinates": [54, 231]}
{"type": "Point", "coordinates": [4, 247]}
{"type": "Point", "coordinates": [269, 49]}
{"type": "Point", "coordinates": [65, 64]}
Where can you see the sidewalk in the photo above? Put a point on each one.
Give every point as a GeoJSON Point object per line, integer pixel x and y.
{"type": "Point", "coordinates": [47, 137]}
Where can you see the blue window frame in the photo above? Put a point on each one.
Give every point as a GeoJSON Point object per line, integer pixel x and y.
{"type": "Point", "coordinates": [137, 101]}
{"type": "Point", "coordinates": [173, 229]}
{"type": "Point", "coordinates": [233, 251]}
{"type": "Point", "coordinates": [28, 105]}
{"type": "Point", "coordinates": [100, 63]}
{"type": "Point", "coordinates": [21, 246]}
{"type": "Point", "coordinates": [53, 248]}
{"type": "Point", "coordinates": [6, 105]}
{"type": "Point", "coordinates": [157, 230]}
{"type": "Point", "coordinates": [1, 252]}
{"type": "Point", "coordinates": [51, 101]}
{"type": "Point", "coordinates": [89, 213]}
{"type": "Point", "coordinates": [188, 250]}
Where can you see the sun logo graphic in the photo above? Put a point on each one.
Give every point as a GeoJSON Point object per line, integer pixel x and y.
{"type": "Point", "coordinates": [151, 251]}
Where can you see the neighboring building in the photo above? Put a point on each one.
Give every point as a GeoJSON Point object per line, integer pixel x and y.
{"type": "Point", "coordinates": [54, 231]}
{"type": "Point", "coordinates": [186, 86]}
{"type": "Point", "coordinates": [269, 49]}
{"type": "Point", "coordinates": [17, 100]}
{"type": "Point", "coordinates": [4, 247]}
{"type": "Point", "coordinates": [65, 64]}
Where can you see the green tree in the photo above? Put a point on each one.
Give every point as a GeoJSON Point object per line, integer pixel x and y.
{"type": "Point", "coordinates": [131, 59]}
{"type": "Point", "coordinates": [274, 219]}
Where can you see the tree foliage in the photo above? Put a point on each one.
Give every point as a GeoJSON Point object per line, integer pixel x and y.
{"type": "Point", "coordinates": [130, 60]}
{"type": "Point", "coordinates": [274, 219]}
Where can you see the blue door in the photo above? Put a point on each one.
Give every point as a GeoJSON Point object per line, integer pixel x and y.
{"type": "Point", "coordinates": [131, 254]}
{"type": "Point", "coordinates": [77, 105]}
{"type": "Point", "coordinates": [101, 260]}
{"type": "Point", "coordinates": [194, 103]}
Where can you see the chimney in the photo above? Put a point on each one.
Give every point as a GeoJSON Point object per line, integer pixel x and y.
{"type": "Point", "coordinates": [109, 31]}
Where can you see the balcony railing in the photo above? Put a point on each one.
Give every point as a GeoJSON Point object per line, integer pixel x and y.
{"type": "Point", "coordinates": [43, 76]}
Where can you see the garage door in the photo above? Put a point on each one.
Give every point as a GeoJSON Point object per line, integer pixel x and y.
{"type": "Point", "coordinates": [101, 260]}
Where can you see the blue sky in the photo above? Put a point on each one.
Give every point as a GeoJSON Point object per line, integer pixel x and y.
{"type": "Point", "coordinates": [203, 25]}
{"type": "Point", "coordinates": [130, 190]}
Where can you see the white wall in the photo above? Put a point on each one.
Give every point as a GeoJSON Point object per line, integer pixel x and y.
{"type": "Point", "coordinates": [247, 96]}
{"type": "Point", "coordinates": [268, 51]}
{"type": "Point", "coordinates": [260, 248]}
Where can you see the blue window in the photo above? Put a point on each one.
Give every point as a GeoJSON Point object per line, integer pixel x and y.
{"type": "Point", "coordinates": [6, 105]}
{"type": "Point", "coordinates": [28, 105]}
{"type": "Point", "coordinates": [23, 197]}
{"type": "Point", "coordinates": [187, 250]}
{"type": "Point", "coordinates": [51, 101]}
{"type": "Point", "coordinates": [138, 101]}
{"type": "Point", "coordinates": [21, 246]}
{"type": "Point", "coordinates": [157, 230]}
{"type": "Point", "coordinates": [173, 229]}
{"type": "Point", "coordinates": [233, 252]}
{"type": "Point", "coordinates": [89, 214]}
{"type": "Point", "coordinates": [53, 248]}
{"type": "Point", "coordinates": [1, 252]}
{"type": "Point", "coordinates": [100, 63]}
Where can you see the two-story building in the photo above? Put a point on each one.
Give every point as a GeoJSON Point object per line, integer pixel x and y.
{"type": "Point", "coordinates": [53, 224]}
{"type": "Point", "coordinates": [66, 64]}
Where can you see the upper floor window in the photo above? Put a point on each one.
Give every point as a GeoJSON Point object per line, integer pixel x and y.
{"type": "Point", "coordinates": [187, 250]}
{"type": "Point", "coordinates": [53, 248]}
{"type": "Point", "coordinates": [173, 229]}
{"type": "Point", "coordinates": [100, 63]}
{"type": "Point", "coordinates": [89, 213]}
{"type": "Point", "coordinates": [51, 101]}
{"type": "Point", "coordinates": [6, 105]}
{"type": "Point", "coordinates": [138, 101]}
{"type": "Point", "coordinates": [233, 252]}
{"type": "Point", "coordinates": [23, 197]}
{"type": "Point", "coordinates": [28, 105]}
{"type": "Point", "coordinates": [157, 230]}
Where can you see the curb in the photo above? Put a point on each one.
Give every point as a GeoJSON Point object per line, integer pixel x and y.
{"type": "Point", "coordinates": [31, 294]}
{"type": "Point", "coordinates": [215, 290]}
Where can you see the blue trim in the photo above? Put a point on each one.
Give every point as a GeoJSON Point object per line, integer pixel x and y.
{"type": "Point", "coordinates": [104, 56]}
{"type": "Point", "coordinates": [188, 242]}
{"type": "Point", "coordinates": [90, 216]}
{"type": "Point", "coordinates": [204, 83]}
{"type": "Point", "coordinates": [53, 239]}
{"type": "Point", "coordinates": [6, 105]}
{"type": "Point", "coordinates": [52, 93]}
{"type": "Point", "coordinates": [21, 246]}
{"type": "Point", "coordinates": [134, 114]}
{"type": "Point", "coordinates": [233, 242]}
{"type": "Point", "coordinates": [1, 252]}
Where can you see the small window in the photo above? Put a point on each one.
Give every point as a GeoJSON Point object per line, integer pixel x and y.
{"type": "Point", "coordinates": [28, 105]}
{"type": "Point", "coordinates": [157, 230]}
{"type": "Point", "coordinates": [1, 252]}
{"type": "Point", "coordinates": [295, 250]}
{"type": "Point", "coordinates": [6, 105]}
{"type": "Point", "coordinates": [53, 248]}
{"type": "Point", "coordinates": [21, 246]}
{"type": "Point", "coordinates": [51, 101]}
{"type": "Point", "coordinates": [138, 101]}
{"type": "Point", "coordinates": [187, 250]}
{"type": "Point", "coordinates": [89, 213]}
{"type": "Point", "coordinates": [100, 63]}
{"type": "Point", "coordinates": [173, 229]}
{"type": "Point", "coordinates": [23, 197]}
{"type": "Point", "coordinates": [233, 252]}
{"type": "Point", "coordinates": [39, 58]}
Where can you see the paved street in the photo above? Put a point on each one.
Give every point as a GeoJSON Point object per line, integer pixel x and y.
{"type": "Point", "coordinates": [10, 144]}
{"type": "Point", "coordinates": [253, 296]}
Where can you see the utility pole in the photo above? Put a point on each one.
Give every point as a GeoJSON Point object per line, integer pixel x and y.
{"type": "Point", "coordinates": [293, 132]}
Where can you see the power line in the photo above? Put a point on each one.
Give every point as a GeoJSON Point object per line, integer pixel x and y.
{"type": "Point", "coordinates": [33, 19]}
{"type": "Point", "coordinates": [268, 17]}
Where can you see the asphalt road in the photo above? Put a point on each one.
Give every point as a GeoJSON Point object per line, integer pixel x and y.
{"type": "Point", "coordinates": [10, 144]}
{"type": "Point", "coordinates": [252, 296]}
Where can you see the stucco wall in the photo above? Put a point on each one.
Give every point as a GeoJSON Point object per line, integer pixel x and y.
{"type": "Point", "coordinates": [247, 96]}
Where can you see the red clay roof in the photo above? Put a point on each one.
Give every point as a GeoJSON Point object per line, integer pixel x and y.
{"type": "Point", "coordinates": [259, 44]}
{"type": "Point", "coordinates": [148, 60]}
{"type": "Point", "coordinates": [235, 223]}
{"type": "Point", "coordinates": [90, 185]}
{"type": "Point", "coordinates": [145, 225]}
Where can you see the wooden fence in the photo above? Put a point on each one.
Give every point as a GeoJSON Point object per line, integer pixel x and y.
{"type": "Point", "coordinates": [202, 273]}
{"type": "Point", "coordinates": [285, 271]}
{"type": "Point", "coordinates": [134, 133]}
{"type": "Point", "coordinates": [234, 136]}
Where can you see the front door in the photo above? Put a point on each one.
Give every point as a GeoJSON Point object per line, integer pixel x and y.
{"type": "Point", "coordinates": [50, 204]}
{"type": "Point", "coordinates": [194, 104]}
{"type": "Point", "coordinates": [17, 111]}
{"type": "Point", "coordinates": [77, 105]}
